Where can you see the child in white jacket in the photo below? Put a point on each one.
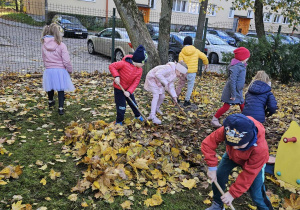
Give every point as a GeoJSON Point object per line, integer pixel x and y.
{"type": "Point", "coordinates": [162, 78]}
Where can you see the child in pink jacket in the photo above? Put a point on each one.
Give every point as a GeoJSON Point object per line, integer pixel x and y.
{"type": "Point", "coordinates": [58, 66]}
{"type": "Point", "coordinates": [162, 78]}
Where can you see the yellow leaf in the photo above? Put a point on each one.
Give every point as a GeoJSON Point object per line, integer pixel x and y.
{"type": "Point", "coordinates": [39, 163]}
{"type": "Point", "coordinates": [156, 174]}
{"type": "Point", "coordinates": [154, 201]}
{"type": "Point", "coordinates": [2, 182]}
{"type": "Point", "coordinates": [53, 174]}
{"type": "Point", "coordinates": [184, 166]}
{"type": "Point", "coordinates": [126, 204]}
{"type": "Point", "coordinates": [145, 191]}
{"type": "Point", "coordinates": [141, 163]}
{"type": "Point", "coordinates": [18, 206]}
{"type": "Point", "coordinates": [207, 202]}
{"type": "Point", "coordinates": [175, 152]}
{"type": "Point", "coordinates": [189, 183]}
{"type": "Point", "coordinates": [43, 181]}
{"type": "Point", "coordinates": [252, 207]}
{"type": "Point", "coordinates": [73, 197]}
{"type": "Point", "coordinates": [162, 183]}
{"type": "Point", "coordinates": [23, 137]}
{"type": "Point", "coordinates": [43, 167]}
{"type": "Point", "coordinates": [48, 199]}
{"type": "Point", "coordinates": [84, 204]}
{"type": "Point", "coordinates": [28, 207]}
{"type": "Point", "coordinates": [96, 184]}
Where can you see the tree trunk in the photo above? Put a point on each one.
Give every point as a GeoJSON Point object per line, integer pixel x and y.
{"type": "Point", "coordinates": [164, 30]}
{"type": "Point", "coordinates": [21, 5]}
{"type": "Point", "coordinates": [137, 30]}
{"type": "Point", "coordinates": [17, 8]}
{"type": "Point", "coordinates": [259, 18]}
{"type": "Point", "coordinates": [200, 27]}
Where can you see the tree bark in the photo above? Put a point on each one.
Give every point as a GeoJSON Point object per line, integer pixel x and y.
{"type": "Point", "coordinates": [164, 30]}
{"type": "Point", "coordinates": [200, 26]}
{"type": "Point", "coordinates": [21, 5]}
{"type": "Point", "coordinates": [137, 30]}
{"type": "Point", "coordinates": [17, 7]}
{"type": "Point", "coordinates": [259, 18]}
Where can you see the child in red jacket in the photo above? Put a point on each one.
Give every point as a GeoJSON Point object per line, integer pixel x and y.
{"type": "Point", "coordinates": [247, 147]}
{"type": "Point", "coordinates": [127, 73]}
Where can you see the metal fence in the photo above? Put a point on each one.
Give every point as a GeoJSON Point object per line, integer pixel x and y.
{"type": "Point", "coordinates": [20, 35]}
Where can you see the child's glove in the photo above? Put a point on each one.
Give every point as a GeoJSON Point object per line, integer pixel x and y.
{"type": "Point", "coordinates": [117, 80]}
{"type": "Point", "coordinates": [127, 94]}
{"type": "Point", "coordinates": [212, 175]}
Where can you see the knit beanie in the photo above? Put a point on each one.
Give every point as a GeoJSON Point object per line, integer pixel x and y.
{"type": "Point", "coordinates": [241, 53]}
{"type": "Point", "coordinates": [238, 129]}
{"type": "Point", "coordinates": [140, 55]}
{"type": "Point", "coordinates": [188, 40]}
{"type": "Point", "coordinates": [181, 67]}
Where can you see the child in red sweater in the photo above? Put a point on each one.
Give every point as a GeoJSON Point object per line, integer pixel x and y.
{"type": "Point", "coordinates": [127, 73]}
{"type": "Point", "coordinates": [246, 147]}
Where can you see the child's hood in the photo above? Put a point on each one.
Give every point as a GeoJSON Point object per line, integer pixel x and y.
{"type": "Point", "coordinates": [259, 87]}
{"type": "Point", "coordinates": [188, 50]}
{"type": "Point", "coordinates": [50, 44]}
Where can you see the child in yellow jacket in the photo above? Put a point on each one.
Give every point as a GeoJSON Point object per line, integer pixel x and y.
{"type": "Point", "coordinates": [190, 55]}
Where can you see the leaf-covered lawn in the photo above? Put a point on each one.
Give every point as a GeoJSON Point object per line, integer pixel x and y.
{"type": "Point", "coordinates": [81, 160]}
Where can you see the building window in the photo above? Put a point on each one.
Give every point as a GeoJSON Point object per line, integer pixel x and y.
{"type": "Point", "coordinates": [250, 14]}
{"type": "Point", "coordinates": [152, 4]}
{"type": "Point", "coordinates": [211, 10]}
{"type": "Point", "coordinates": [286, 20]}
{"type": "Point", "coordinates": [231, 12]}
{"type": "Point", "coordinates": [267, 17]}
{"type": "Point", "coordinates": [276, 18]}
{"type": "Point", "coordinates": [179, 5]}
{"type": "Point", "coordinates": [194, 7]}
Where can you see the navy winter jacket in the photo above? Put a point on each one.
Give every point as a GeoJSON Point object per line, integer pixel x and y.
{"type": "Point", "coordinates": [259, 100]}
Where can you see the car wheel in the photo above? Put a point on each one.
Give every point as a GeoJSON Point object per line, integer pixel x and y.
{"type": "Point", "coordinates": [214, 59]}
{"type": "Point", "coordinates": [91, 48]}
{"type": "Point", "coordinates": [171, 57]}
{"type": "Point", "coordinates": [119, 55]}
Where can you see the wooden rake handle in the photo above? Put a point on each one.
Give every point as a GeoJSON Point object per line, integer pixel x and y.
{"type": "Point", "coordinates": [134, 104]}
{"type": "Point", "coordinates": [222, 192]}
{"type": "Point", "coordinates": [175, 102]}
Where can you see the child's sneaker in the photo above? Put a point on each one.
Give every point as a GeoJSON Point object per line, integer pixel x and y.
{"type": "Point", "coordinates": [61, 111]}
{"type": "Point", "coordinates": [215, 206]}
{"type": "Point", "coordinates": [154, 119]}
{"type": "Point", "coordinates": [215, 122]}
{"type": "Point", "coordinates": [51, 104]}
{"type": "Point", "coordinates": [159, 111]}
{"type": "Point", "coordinates": [186, 103]}
{"type": "Point", "coordinates": [119, 123]}
{"type": "Point", "coordinates": [140, 118]}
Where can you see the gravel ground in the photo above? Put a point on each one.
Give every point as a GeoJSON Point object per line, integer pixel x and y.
{"type": "Point", "coordinates": [21, 51]}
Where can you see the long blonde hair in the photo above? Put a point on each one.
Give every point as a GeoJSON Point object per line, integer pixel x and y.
{"type": "Point", "coordinates": [261, 76]}
{"type": "Point", "coordinates": [52, 30]}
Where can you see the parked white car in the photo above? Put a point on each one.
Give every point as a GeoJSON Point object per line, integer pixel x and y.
{"type": "Point", "coordinates": [216, 47]}
{"type": "Point", "coordinates": [101, 43]}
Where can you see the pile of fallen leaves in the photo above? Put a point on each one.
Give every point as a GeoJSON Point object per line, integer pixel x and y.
{"type": "Point", "coordinates": [123, 159]}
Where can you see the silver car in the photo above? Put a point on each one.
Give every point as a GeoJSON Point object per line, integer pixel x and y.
{"type": "Point", "coordinates": [101, 43]}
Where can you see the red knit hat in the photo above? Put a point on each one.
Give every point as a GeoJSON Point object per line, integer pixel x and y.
{"type": "Point", "coordinates": [241, 53]}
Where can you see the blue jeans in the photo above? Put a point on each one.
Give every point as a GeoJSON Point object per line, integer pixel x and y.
{"type": "Point", "coordinates": [257, 189]}
{"type": "Point", "coordinates": [120, 100]}
{"type": "Point", "coordinates": [190, 85]}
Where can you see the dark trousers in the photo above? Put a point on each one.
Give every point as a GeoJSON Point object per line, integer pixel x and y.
{"type": "Point", "coordinates": [61, 97]}
{"type": "Point", "coordinates": [257, 189]}
{"type": "Point", "coordinates": [120, 100]}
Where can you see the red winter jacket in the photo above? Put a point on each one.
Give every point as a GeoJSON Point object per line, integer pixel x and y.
{"type": "Point", "coordinates": [251, 160]}
{"type": "Point", "coordinates": [129, 74]}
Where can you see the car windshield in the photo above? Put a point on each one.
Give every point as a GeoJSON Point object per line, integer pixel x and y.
{"type": "Point", "coordinates": [191, 34]}
{"type": "Point", "coordinates": [179, 38]}
{"type": "Point", "coordinates": [215, 40]}
{"type": "Point", "coordinates": [69, 20]}
{"type": "Point", "coordinates": [124, 34]}
{"type": "Point", "coordinates": [221, 33]}
{"type": "Point", "coordinates": [240, 35]}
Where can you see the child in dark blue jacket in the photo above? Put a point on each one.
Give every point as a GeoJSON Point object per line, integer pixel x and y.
{"type": "Point", "coordinates": [259, 100]}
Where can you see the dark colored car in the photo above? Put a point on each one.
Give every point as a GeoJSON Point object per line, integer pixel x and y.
{"type": "Point", "coordinates": [296, 39]}
{"type": "Point", "coordinates": [222, 35]}
{"type": "Point", "coordinates": [188, 28]}
{"type": "Point", "coordinates": [70, 26]}
{"type": "Point", "coordinates": [238, 37]}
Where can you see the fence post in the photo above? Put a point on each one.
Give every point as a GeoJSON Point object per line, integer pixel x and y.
{"type": "Point", "coordinates": [46, 11]}
{"type": "Point", "coordinates": [203, 46]}
{"type": "Point", "coordinates": [113, 36]}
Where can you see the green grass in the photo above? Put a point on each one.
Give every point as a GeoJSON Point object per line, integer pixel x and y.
{"type": "Point", "coordinates": [20, 17]}
{"type": "Point", "coordinates": [42, 130]}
